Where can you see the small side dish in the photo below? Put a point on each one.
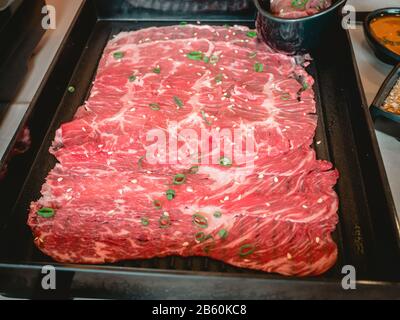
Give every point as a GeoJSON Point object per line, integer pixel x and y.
{"type": "Point", "coordinates": [392, 102]}
{"type": "Point", "coordinates": [387, 30]}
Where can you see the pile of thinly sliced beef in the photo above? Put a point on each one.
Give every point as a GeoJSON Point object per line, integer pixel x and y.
{"type": "Point", "coordinates": [105, 201]}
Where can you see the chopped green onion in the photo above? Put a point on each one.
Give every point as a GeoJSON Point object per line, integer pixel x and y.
{"type": "Point", "coordinates": [46, 212]}
{"type": "Point", "coordinates": [164, 222]}
{"type": "Point", "coordinates": [222, 233]}
{"type": "Point", "coordinates": [183, 23]}
{"type": "Point", "coordinates": [217, 214]}
{"type": "Point", "coordinates": [203, 114]}
{"type": "Point", "coordinates": [200, 221]}
{"type": "Point", "coordinates": [157, 70]}
{"type": "Point", "coordinates": [194, 169]}
{"type": "Point", "coordinates": [132, 78]}
{"type": "Point", "coordinates": [154, 106]}
{"type": "Point", "coordinates": [214, 59]}
{"type": "Point", "coordinates": [195, 55]}
{"type": "Point", "coordinates": [299, 4]}
{"type": "Point", "coordinates": [71, 89]}
{"type": "Point", "coordinates": [246, 249]}
{"type": "Point", "coordinates": [200, 236]}
{"type": "Point", "coordinates": [179, 178]}
{"type": "Point", "coordinates": [170, 194]}
{"type": "Point", "coordinates": [118, 55]}
{"type": "Point", "coordinates": [145, 221]}
{"type": "Point", "coordinates": [206, 59]}
{"type": "Point", "coordinates": [253, 55]}
{"type": "Point", "coordinates": [226, 25]}
{"type": "Point", "coordinates": [252, 34]}
{"type": "Point", "coordinates": [258, 67]}
{"type": "Point", "coordinates": [157, 204]}
{"type": "Point", "coordinates": [285, 96]}
{"type": "Point", "coordinates": [218, 78]}
{"type": "Point", "coordinates": [178, 102]}
{"type": "Point", "coordinates": [305, 86]}
{"type": "Point", "coordinates": [209, 246]}
{"type": "Point", "coordinates": [225, 162]}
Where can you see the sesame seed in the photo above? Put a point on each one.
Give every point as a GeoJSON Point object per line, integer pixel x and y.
{"type": "Point", "coordinates": [165, 213]}
{"type": "Point", "coordinates": [100, 146]}
{"type": "Point", "coordinates": [206, 198]}
{"type": "Point", "coordinates": [83, 129]}
{"type": "Point", "coordinates": [226, 198]}
{"type": "Point", "coordinates": [317, 239]}
{"type": "Point", "coordinates": [185, 244]}
{"type": "Point", "coordinates": [320, 200]}
{"type": "Point", "coordinates": [276, 179]}
{"type": "Point", "coordinates": [189, 189]}
{"type": "Point", "coordinates": [268, 204]}
{"type": "Point", "coordinates": [110, 153]}
{"type": "Point", "coordinates": [318, 142]}
{"type": "Point", "coordinates": [240, 197]}
{"type": "Point", "coordinates": [69, 189]}
{"type": "Point", "coordinates": [289, 256]}
{"type": "Point", "coordinates": [304, 206]}
{"type": "Point", "coordinates": [260, 176]}
{"type": "Point", "coordinates": [148, 172]}
{"type": "Point", "coordinates": [134, 181]}
{"type": "Point", "coordinates": [60, 179]}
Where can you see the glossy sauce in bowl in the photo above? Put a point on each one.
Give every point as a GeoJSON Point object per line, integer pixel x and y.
{"type": "Point", "coordinates": [386, 30]}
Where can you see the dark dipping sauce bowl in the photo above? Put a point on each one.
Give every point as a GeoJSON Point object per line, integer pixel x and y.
{"type": "Point", "coordinates": [299, 35]}
{"type": "Point", "coordinates": [382, 52]}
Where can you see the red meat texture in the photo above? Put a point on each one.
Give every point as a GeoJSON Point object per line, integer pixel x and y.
{"type": "Point", "coordinates": [111, 204]}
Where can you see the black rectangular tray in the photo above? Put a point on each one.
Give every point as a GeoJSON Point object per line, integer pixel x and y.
{"type": "Point", "coordinates": [367, 234]}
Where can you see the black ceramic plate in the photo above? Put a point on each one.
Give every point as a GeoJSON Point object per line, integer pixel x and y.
{"type": "Point", "coordinates": [380, 50]}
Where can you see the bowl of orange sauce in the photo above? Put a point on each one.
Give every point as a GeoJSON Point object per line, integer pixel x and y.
{"type": "Point", "coordinates": [382, 30]}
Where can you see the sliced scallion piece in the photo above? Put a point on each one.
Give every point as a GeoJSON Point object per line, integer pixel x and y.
{"type": "Point", "coordinates": [253, 55]}
{"type": "Point", "coordinates": [218, 78]}
{"type": "Point", "coordinates": [200, 236]}
{"type": "Point", "coordinates": [183, 23]}
{"type": "Point", "coordinates": [132, 78]}
{"type": "Point", "coordinates": [194, 169]}
{"type": "Point", "coordinates": [157, 204]}
{"type": "Point", "coordinates": [46, 212]}
{"type": "Point", "coordinates": [246, 249]}
{"type": "Point", "coordinates": [118, 55]}
{"type": "Point", "coordinates": [203, 115]}
{"type": "Point", "coordinates": [179, 178]}
{"type": "Point", "coordinates": [258, 67]}
{"type": "Point", "coordinates": [178, 102]}
{"type": "Point", "coordinates": [223, 234]}
{"type": "Point", "coordinates": [170, 194]}
{"type": "Point", "coordinates": [225, 162]}
{"type": "Point", "coordinates": [157, 70]}
{"type": "Point", "coordinates": [154, 106]}
{"type": "Point", "coordinates": [164, 221]}
{"type": "Point", "coordinates": [195, 55]}
{"type": "Point", "coordinates": [71, 89]}
{"type": "Point", "coordinates": [214, 59]}
{"type": "Point", "coordinates": [217, 214]}
{"type": "Point", "coordinates": [144, 221]}
{"type": "Point", "coordinates": [200, 220]}
{"type": "Point", "coordinates": [252, 34]}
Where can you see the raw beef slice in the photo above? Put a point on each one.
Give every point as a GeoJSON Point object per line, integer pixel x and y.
{"type": "Point", "coordinates": [111, 204]}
